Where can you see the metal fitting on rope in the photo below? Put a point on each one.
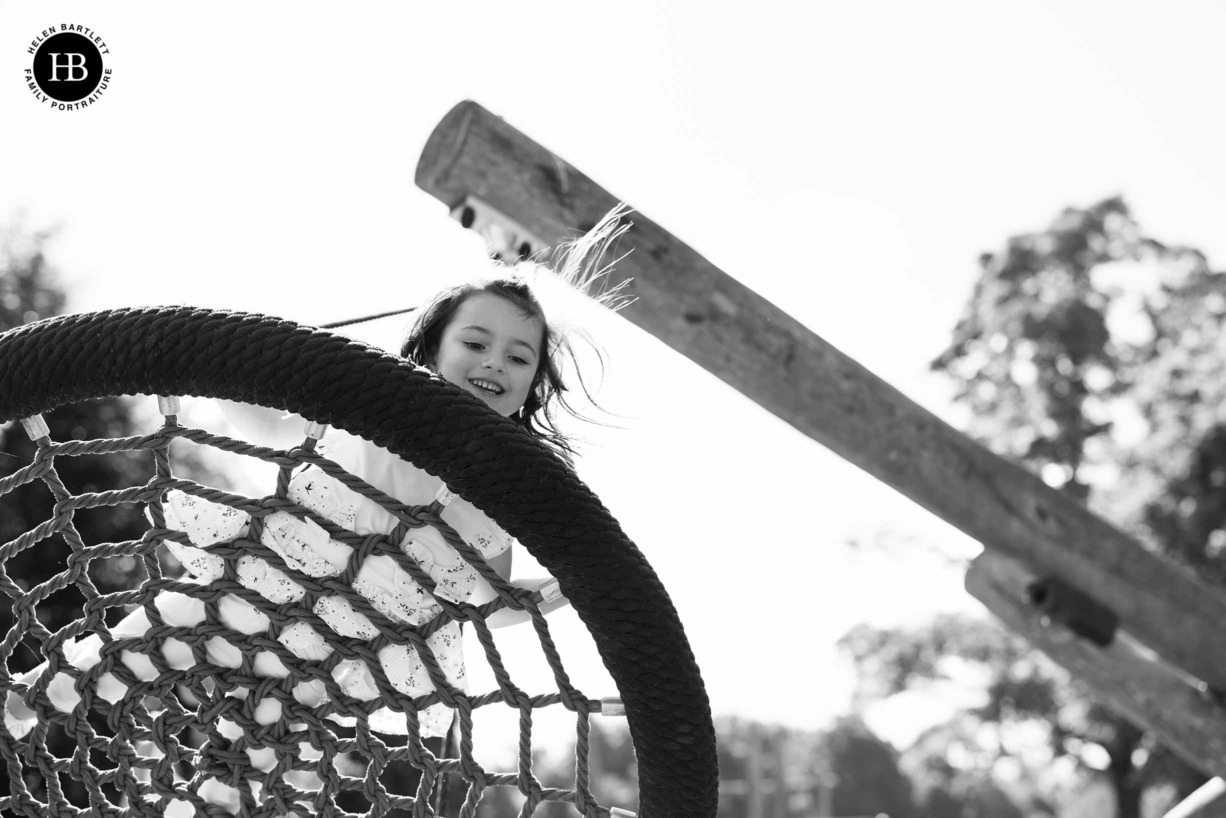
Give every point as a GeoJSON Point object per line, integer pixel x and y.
{"type": "Point", "coordinates": [550, 590]}
{"type": "Point", "coordinates": [617, 812]}
{"type": "Point", "coordinates": [1061, 602]}
{"type": "Point", "coordinates": [36, 427]}
{"type": "Point", "coordinates": [168, 405]}
{"type": "Point", "coordinates": [315, 431]}
{"type": "Point", "coordinates": [612, 706]}
{"type": "Point", "coordinates": [445, 496]}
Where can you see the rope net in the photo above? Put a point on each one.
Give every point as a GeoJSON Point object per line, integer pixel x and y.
{"type": "Point", "coordinates": [189, 708]}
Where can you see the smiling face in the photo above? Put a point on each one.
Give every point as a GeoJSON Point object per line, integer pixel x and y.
{"type": "Point", "coordinates": [491, 349]}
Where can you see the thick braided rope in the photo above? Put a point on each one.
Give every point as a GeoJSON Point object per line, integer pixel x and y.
{"type": "Point", "coordinates": [441, 429]}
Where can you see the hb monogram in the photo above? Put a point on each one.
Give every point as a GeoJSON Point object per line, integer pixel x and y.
{"type": "Point", "coordinates": [71, 65]}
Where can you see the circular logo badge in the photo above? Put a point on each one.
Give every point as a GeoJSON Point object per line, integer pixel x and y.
{"type": "Point", "coordinates": [68, 70]}
{"type": "Point", "coordinates": [68, 67]}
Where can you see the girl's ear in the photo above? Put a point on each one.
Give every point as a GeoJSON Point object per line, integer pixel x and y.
{"type": "Point", "coordinates": [429, 359]}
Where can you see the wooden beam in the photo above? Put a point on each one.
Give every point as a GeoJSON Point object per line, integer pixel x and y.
{"type": "Point", "coordinates": [1140, 686]}
{"type": "Point", "coordinates": [754, 346]}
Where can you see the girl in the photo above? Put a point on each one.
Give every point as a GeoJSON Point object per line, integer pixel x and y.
{"type": "Point", "coordinates": [490, 337]}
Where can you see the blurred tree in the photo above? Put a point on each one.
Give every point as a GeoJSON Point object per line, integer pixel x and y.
{"type": "Point", "coordinates": [30, 290]}
{"type": "Point", "coordinates": [1031, 355]}
{"type": "Point", "coordinates": [1029, 721]}
{"type": "Point", "coordinates": [771, 771]}
{"type": "Point", "coordinates": [766, 770]}
{"type": "Point", "coordinates": [1177, 463]}
{"type": "Point", "coordinates": [864, 768]}
{"type": "Point", "coordinates": [612, 768]}
{"type": "Point", "coordinates": [1092, 354]}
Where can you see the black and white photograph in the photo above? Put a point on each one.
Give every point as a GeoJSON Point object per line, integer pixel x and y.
{"type": "Point", "coordinates": [659, 409]}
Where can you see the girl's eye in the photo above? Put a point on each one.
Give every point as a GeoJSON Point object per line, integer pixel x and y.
{"type": "Point", "coordinates": [474, 345]}
{"type": "Point", "coordinates": [518, 360]}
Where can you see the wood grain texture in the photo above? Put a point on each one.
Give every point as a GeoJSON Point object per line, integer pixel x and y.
{"type": "Point", "coordinates": [1146, 690]}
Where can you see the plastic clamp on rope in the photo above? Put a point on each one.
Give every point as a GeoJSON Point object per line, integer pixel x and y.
{"type": "Point", "coordinates": [36, 427]}
{"type": "Point", "coordinates": [168, 405]}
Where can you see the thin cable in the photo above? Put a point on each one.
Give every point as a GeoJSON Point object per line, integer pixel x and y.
{"type": "Point", "coordinates": [336, 324]}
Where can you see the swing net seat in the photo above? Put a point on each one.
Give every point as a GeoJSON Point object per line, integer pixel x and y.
{"type": "Point", "coordinates": [160, 742]}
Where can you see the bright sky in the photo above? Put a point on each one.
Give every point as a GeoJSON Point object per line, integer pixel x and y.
{"type": "Point", "coordinates": [848, 161]}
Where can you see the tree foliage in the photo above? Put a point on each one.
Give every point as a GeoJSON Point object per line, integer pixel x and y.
{"type": "Point", "coordinates": [1093, 354]}
{"type": "Point", "coordinates": [30, 290]}
{"type": "Point", "coordinates": [865, 772]}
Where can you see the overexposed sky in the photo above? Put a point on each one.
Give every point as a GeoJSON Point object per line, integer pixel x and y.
{"type": "Point", "coordinates": [847, 161]}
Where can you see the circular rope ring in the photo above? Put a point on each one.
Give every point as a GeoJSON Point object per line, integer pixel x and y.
{"type": "Point", "coordinates": [486, 458]}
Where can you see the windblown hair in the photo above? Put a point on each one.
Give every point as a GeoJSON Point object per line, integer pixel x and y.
{"type": "Point", "coordinates": [580, 264]}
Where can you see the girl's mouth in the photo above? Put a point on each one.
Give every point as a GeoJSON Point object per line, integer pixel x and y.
{"type": "Point", "coordinates": [486, 386]}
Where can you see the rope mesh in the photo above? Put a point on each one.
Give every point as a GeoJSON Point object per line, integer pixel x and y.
{"type": "Point", "coordinates": [166, 741]}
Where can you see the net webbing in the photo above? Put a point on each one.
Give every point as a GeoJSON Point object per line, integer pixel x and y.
{"type": "Point", "coordinates": [157, 723]}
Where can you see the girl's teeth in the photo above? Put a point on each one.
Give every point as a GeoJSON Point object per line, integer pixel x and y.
{"type": "Point", "coordinates": [492, 388]}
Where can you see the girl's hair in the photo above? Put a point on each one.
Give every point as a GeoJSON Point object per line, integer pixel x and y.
{"type": "Point", "coordinates": [580, 264]}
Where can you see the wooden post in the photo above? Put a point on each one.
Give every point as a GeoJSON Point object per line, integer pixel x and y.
{"type": "Point", "coordinates": [783, 792]}
{"type": "Point", "coordinates": [1142, 687]}
{"type": "Point", "coordinates": [825, 795]}
{"type": "Point", "coordinates": [734, 333]}
{"type": "Point", "coordinates": [755, 803]}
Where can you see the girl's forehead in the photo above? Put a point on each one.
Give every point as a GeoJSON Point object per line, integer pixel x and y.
{"type": "Point", "coordinates": [493, 313]}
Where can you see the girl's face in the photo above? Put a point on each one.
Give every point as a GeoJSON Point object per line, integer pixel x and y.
{"type": "Point", "coordinates": [491, 349]}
